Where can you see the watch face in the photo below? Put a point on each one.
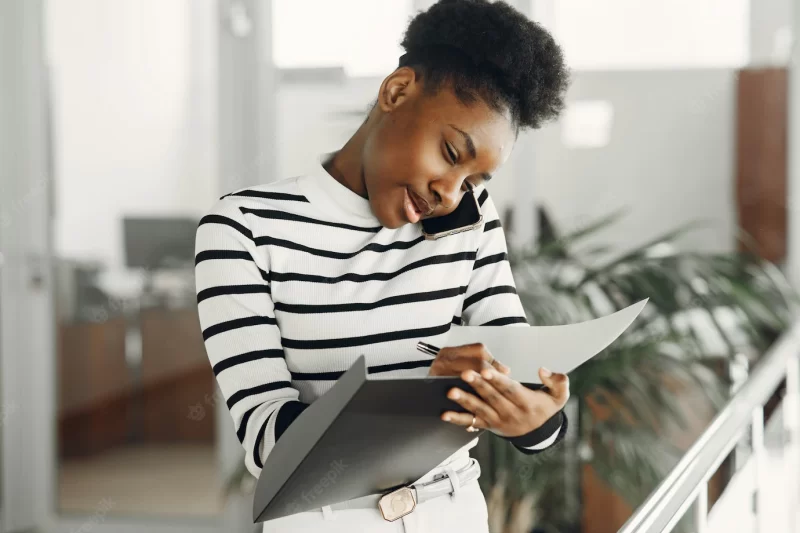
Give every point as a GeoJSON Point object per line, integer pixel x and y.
{"type": "Point", "coordinates": [466, 215]}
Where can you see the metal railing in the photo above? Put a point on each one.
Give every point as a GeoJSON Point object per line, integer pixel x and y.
{"type": "Point", "coordinates": [687, 483]}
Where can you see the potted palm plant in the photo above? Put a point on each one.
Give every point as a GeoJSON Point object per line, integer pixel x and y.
{"type": "Point", "coordinates": [704, 309]}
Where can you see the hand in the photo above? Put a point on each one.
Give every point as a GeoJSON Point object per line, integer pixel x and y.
{"type": "Point", "coordinates": [506, 406]}
{"type": "Point", "coordinates": [452, 361]}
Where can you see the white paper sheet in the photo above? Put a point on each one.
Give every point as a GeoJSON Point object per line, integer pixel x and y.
{"type": "Point", "coordinates": [558, 348]}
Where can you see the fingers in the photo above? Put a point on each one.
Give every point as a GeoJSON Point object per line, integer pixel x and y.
{"type": "Point", "coordinates": [488, 384]}
{"type": "Point", "coordinates": [464, 419]}
{"type": "Point", "coordinates": [474, 405]}
{"type": "Point", "coordinates": [500, 367]}
{"type": "Point", "coordinates": [558, 385]}
{"type": "Point", "coordinates": [453, 360]}
{"type": "Point", "coordinates": [509, 389]}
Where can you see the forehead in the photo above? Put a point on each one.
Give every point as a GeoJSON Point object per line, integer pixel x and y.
{"type": "Point", "coordinates": [492, 132]}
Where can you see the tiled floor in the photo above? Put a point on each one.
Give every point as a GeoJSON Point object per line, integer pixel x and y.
{"type": "Point", "coordinates": [174, 480]}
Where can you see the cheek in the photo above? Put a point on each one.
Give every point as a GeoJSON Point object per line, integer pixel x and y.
{"type": "Point", "coordinates": [401, 152]}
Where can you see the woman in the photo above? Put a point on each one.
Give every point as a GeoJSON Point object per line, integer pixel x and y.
{"type": "Point", "coordinates": [298, 277]}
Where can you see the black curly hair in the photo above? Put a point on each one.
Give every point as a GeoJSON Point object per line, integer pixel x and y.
{"type": "Point", "coordinates": [491, 51]}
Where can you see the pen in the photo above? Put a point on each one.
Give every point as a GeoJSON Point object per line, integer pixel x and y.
{"type": "Point", "coordinates": [430, 349]}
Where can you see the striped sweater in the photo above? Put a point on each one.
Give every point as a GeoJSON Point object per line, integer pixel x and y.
{"type": "Point", "coordinates": [297, 278]}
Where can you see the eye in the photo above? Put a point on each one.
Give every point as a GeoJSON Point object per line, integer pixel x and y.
{"type": "Point", "coordinates": [451, 153]}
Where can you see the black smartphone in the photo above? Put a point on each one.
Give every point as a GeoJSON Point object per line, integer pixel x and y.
{"type": "Point", "coordinates": [465, 217]}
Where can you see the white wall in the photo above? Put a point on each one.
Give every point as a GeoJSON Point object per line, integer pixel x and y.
{"type": "Point", "coordinates": [134, 116]}
{"type": "Point", "coordinates": [770, 32]}
{"type": "Point", "coordinates": [25, 333]}
{"type": "Point", "coordinates": [670, 157]}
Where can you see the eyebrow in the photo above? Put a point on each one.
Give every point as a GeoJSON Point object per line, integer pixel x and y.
{"type": "Point", "coordinates": [471, 149]}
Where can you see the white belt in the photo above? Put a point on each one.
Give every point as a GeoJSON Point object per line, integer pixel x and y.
{"type": "Point", "coordinates": [404, 500]}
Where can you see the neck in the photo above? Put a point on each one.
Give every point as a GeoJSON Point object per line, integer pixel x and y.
{"type": "Point", "coordinates": [346, 165]}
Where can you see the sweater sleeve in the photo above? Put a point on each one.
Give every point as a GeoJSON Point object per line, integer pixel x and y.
{"type": "Point", "coordinates": [491, 300]}
{"type": "Point", "coordinates": [240, 332]}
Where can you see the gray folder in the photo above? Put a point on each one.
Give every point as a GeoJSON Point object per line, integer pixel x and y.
{"type": "Point", "coordinates": [364, 436]}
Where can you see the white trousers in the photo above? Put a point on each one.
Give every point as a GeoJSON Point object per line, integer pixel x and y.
{"type": "Point", "coordinates": [464, 511]}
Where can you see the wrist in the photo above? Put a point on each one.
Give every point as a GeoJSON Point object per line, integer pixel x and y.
{"type": "Point", "coordinates": [541, 433]}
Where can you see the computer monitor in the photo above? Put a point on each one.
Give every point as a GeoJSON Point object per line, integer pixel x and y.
{"type": "Point", "coordinates": [159, 242]}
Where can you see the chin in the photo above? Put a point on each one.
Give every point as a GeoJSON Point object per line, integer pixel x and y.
{"type": "Point", "coordinates": [392, 222]}
{"type": "Point", "coordinates": [388, 218]}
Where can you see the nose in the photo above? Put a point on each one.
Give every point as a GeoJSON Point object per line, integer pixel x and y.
{"type": "Point", "coordinates": [447, 191]}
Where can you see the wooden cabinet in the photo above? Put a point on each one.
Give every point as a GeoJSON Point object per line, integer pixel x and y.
{"type": "Point", "coordinates": [103, 403]}
{"type": "Point", "coordinates": [177, 380]}
{"type": "Point", "coordinates": [94, 387]}
{"type": "Point", "coordinates": [761, 160]}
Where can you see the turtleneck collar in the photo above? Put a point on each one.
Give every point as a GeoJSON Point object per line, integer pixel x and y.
{"type": "Point", "coordinates": [324, 190]}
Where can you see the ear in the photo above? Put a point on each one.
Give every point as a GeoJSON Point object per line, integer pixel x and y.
{"type": "Point", "coordinates": [397, 88]}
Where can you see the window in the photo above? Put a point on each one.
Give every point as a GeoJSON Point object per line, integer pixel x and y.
{"type": "Point", "coordinates": [650, 34]}
{"type": "Point", "coordinates": [363, 36]}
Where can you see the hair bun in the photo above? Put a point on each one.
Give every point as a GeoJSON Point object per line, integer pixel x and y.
{"type": "Point", "coordinates": [478, 29]}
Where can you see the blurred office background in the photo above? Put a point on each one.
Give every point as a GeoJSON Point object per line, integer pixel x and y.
{"type": "Point", "coordinates": [123, 120]}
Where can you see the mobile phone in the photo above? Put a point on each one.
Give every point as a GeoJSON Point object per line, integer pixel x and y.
{"type": "Point", "coordinates": [467, 216]}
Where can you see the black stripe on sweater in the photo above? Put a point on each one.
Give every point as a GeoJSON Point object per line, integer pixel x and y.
{"type": "Point", "coordinates": [242, 431]}
{"type": "Point", "coordinates": [489, 226]}
{"type": "Point", "coordinates": [269, 195]}
{"type": "Point", "coordinates": [237, 323]}
{"type": "Point", "coordinates": [377, 369]}
{"type": "Point", "coordinates": [369, 306]}
{"type": "Point", "coordinates": [389, 336]}
{"type": "Point", "coordinates": [222, 254]}
{"type": "Point", "coordinates": [266, 387]}
{"type": "Point", "coordinates": [490, 259]}
{"type": "Point", "coordinates": [506, 320]}
{"type": "Point", "coordinates": [483, 196]}
{"type": "Point", "coordinates": [246, 358]}
{"type": "Point", "coordinates": [282, 215]}
{"type": "Point", "coordinates": [372, 247]}
{"type": "Point", "coordinates": [286, 415]}
{"type": "Point", "coordinates": [374, 276]}
{"type": "Point", "coordinates": [209, 255]}
{"type": "Point", "coordinates": [257, 444]}
{"type": "Point", "coordinates": [491, 291]}
{"type": "Point", "coordinates": [224, 290]}
{"type": "Point", "coordinates": [225, 221]}
{"type": "Point", "coordinates": [317, 376]}
{"type": "Point", "coordinates": [405, 365]}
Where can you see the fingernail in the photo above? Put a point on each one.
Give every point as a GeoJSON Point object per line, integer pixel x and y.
{"type": "Point", "coordinates": [546, 372]}
{"type": "Point", "coordinates": [470, 377]}
{"type": "Point", "coordinates": [487, 374]}
{"type": "Point", "coordinates": [455, 395]}
{"type": "Point", "coordinates": [446, 418]}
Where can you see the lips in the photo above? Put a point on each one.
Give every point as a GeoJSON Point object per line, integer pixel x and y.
{"type": "Point", "coordinates": [419, 203]}
{"type": "Point", "coordinates": [410, 209]}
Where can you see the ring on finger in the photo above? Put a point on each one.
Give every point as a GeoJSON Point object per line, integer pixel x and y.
{"type": "Point", "coordinates": [471, 428]}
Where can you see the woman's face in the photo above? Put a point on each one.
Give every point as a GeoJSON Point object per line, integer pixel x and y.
{"type": "Point", "coordinates": [421, 149]}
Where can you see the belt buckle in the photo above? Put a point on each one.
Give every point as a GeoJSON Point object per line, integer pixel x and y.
{"type": "Point", "coordinates": [397, 504]}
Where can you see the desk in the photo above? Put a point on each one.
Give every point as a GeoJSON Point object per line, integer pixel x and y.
{"type": "Point", "coordinates": [102, 404]}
